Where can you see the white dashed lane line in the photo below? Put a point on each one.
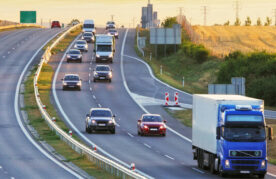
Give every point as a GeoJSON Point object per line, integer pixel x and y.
{"type": "Point", "coordinates": [130, 134]}
{"type": "Point", "coordinates": [99, 105]}
{"type": "Point", "coordinates": [148, 146]}
{"type": "Point", "coordinates": [169, 157]}
{"type": "Point", "coordinates": [195, 169]}
{"type": "Point", "coordinates": [1, 167]}
{"type": "Point", "coordinates": [90, 89]}
{"type": "Point", "coordinates": [94, 97]}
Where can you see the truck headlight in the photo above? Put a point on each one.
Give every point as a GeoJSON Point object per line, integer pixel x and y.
{"type": "Point", "coordinates": [110, 74]}
{"type": "Point", "coordinates": [110, 55]}
{"type": "Point", "coordinates": [227, 164]}
{"type": "Point", "coordinates": [79, 83]}
{"type": "Point", "coordinates": [263, 164]}
{"type": "Point", "coordinates": [97, 55]}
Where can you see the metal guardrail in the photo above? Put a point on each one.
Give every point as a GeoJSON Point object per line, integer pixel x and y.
{"type": "Point", "coordinates": [105, 163]}
{"type": "Point", "coordinates": [19, 25]}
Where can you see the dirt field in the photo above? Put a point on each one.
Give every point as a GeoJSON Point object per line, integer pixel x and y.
{"type": "Point", "coordinates": [224, 39]}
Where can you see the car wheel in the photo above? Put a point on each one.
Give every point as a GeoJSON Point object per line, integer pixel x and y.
{"type": "Point", "coordinates": [67, 61]}
{"type": "Point", "coordinates": [164, 134]}
{"type": "Point", "coordinates": [94, 80]}
{"type": "Point", "coordinates": [109, 80]}
{"type": "Point", "coordinates": [141, 133]}
{"type": "Point", "coordinates": [138, 133]}
{"type": "Point", "coordinates": [111, 61]}
{"type": "Point", "coordinates": [79, 88]}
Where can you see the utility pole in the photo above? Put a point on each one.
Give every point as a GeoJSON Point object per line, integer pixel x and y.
{"type": "Point", "coordinates": [180, 15]}
{"type": "Point", "coordinates": [237, 8]}
{"type": "Point", "coordinates": [274, 16]}
{"type": "Point", "coordinates": [205, 15]}
{"type": "Point", "coordinates": [112, 17]}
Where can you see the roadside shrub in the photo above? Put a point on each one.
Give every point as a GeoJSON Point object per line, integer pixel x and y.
{"type": "Point", "coordinates": [198, 52]}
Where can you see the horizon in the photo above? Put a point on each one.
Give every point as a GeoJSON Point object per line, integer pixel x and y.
{"type": "Point", "coordinates": [218, 12]}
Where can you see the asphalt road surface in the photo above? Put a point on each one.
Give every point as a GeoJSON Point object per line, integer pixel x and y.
{"type": "Point", "coordinates": [19, 158]}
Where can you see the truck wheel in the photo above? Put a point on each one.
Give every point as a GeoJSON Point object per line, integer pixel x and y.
{"type": "Point", "coordinates": [261, 175]}
{"type": "Point", "coordinates": [212, 164]}
{"type": "Point", "coordinates": [138, 133]}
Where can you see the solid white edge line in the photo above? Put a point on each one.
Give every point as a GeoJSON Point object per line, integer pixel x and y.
{"type": "Point", "coordinates": [130, 134]}
{"type": "Point", "coordinates": [19, 120]}
{"type": "Point", "coordinates": [74, 127]}
{"type": "Point", "coordinates": [169, 157]}
{"type": "Point", "coordinates": [128, 91]}
{"type": "Point", "coordinates": [148, 146]}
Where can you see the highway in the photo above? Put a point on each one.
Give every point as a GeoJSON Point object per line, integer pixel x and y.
{"type": "Point", "coordinates": [19, 157]}
{"type": "Point", "coordinates": [160, 157]}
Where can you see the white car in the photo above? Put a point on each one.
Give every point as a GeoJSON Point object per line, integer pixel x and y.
{"type": "Point", "coordinates": [81, 45]}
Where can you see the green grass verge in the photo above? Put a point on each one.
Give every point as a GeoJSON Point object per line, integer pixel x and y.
{"type": "Point", "coordinates": [45, 133]}
{"type": "Point", "coordinates": [184, 116]}
{"type": "Point", "coordinates": [178, 65]}
{"type": "Point", "coordinates": [272, 144]}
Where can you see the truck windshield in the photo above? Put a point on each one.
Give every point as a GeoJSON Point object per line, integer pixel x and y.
{"type": "Point", "coordinates": [88, 25]}
{"type": "Point", "coordinates": [244, 134]}
{"type": "Point", "coordinates": [104, 48]}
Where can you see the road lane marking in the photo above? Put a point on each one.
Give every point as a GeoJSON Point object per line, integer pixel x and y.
{"type": "Point", "coordinates": [90, 89]}
{"type": "Point", "coordinates": [94, 96]}
{"type": "Point", "coordinates": [89, 74]}
{"type": "Point", "coordinates": [195, 169]}
{"type": "Point", "coordinates": [130, 134]}
{"type": "Point", "coordinates": [100, 105]}
{"type": "Point", "coordinates": [67, 119]}
{"type": "Point", "coordinates": [90, 68]}
{"type": "Point", "coordinates": [89, 81]}
{"type": "Point", "coordinates": [169, 157]}
{"type": "Point", "coordinates": [1, 167]}
{"type": "Point", "coordinates": [148, 146]}
{"type": "Point", "coordinates": [19, 120]}
{"type": "Point", "coordinates": [9, 52]}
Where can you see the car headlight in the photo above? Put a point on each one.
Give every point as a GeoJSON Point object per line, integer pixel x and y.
{"type": "Point", "coordinates": [110, 122]}
{"type": "Point", "coordinates": [110, 74]}
{"type": "Point", "coordinates": [64, 83]}
{"type": "Point", "coordinates": [79, 56]}
{"type": "Point", "coordinates": [97, 55]}
{"type": "Point", "coordinates": [145, 127]}
{"type": "Point", "coordinates": [75, 46]}
{"type": "Point", "coordinates": [95, 74]}
{"type": "Point", "coordinates": [68, 56]}
{"type": "Point", "coordinates": [110, 55]}
{"type": "Point", "coordinates": [79, 83]}
{"type": "Point", "coordinates": [93, 122]}
{"type": "Point", "coordinates": [227, 164]}
{"type": "Point", "coordinates": [162, 127]}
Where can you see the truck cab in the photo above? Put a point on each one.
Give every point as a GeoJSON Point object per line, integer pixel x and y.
{"type": "Point", "coordinates": [104, 48]}
{"type": "Point", "coordinates": [241, 139]}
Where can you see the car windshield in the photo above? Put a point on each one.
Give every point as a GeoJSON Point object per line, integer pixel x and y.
{"type": "Point", "coordinates": [152, 119]}
{"type": "Point", "coordinates": [101, 113]}
{"type": "Point", "coordinates": [110, 22]}
{"type": "Point", "coordinates": [104, 48]}
{"type": "Point", "coordinates": [112, 31]}
{"type": "Point", "coordinates": [74, 52]}
{"type": "Point", "coordinates": [80, 42]}
{"type": "Point", "coordinates": [247, 134]}
{"type": "Point", "coordinates": [102, 68]}
{"type": "Point", "coordinates": [88, 25]}
{"type": "Point", "coordinates": [87, 35]}
{"type": "Point", "coordinates": [71, 78]}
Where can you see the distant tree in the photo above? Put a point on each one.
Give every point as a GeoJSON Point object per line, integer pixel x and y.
{"type": "Point", "coordinates": [227, 23]}
{"type": "Point", "coordinates": [169, 22]}
{"type": "Point", "coordinates": [259, 22]}
{"type": "Point", "coordinates": [247, 21]}
{"type": "Point", "coordinates": [237, 22]}
{"type": "Point", "coordinates": [268, 21]}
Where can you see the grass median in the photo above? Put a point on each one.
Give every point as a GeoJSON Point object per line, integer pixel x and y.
{"type": "Point", "coordinates": [45, 133]}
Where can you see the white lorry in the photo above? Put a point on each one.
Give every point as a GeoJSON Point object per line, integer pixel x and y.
{"type": "Point", "coordinates": [229, 134]}
{"type": "Point", "coordinates": [104, 48]}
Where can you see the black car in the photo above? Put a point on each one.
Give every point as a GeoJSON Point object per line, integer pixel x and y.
{"type": "Point", "coordinates": [71, 81]}
{"type": "Point", "coordinates": [88, 36]}
{"type": "Point", "coordinates": [74, 55]}
{"type": "Point", "coordinates": [100, 119]}
{"type": "Point", "coordinates": [102, 72]}
{"type": "Point", "coordinates": [113, 32]}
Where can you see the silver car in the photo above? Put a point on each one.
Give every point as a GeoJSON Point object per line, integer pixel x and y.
{"type": "Point", "coordinates": [81, 45]}
{"type": "Point", "coordinates": [71, 81]}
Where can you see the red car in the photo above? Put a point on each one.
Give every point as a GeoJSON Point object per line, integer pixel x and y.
{"type": "Point", "coordinates": [151, 124]}
{"type": "Point", "coordinates": [55, 24]}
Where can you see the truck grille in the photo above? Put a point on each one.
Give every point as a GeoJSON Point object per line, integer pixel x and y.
{"type": "Point", "coordinates": [240, 153]}
{"type": "Point", "coordinates": [245, 167]}
{"type": "Point", "coordinates": [253, 162]}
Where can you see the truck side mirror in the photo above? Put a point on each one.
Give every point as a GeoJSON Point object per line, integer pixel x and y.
{"type": "Point", "coordinates": [218, 133]}
{"type": "Point", "coordinates": [270, 133]}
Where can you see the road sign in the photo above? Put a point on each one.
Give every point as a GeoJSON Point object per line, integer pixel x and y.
{"type": "Point", "coordinates": [162, 36]}
{"type": "Point", "coordinates": [28, 17]}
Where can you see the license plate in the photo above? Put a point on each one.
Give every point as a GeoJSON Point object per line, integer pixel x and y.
{"type": "Point", "coordinates": [102, 78]}
{"type": "Point", "coordinates": [101, 124]}
{"type": "Point", "coordinates": [153, 129]}
{"type": "Point", "coordinates": [244, 172]}
{"type": "Point", "coordinates": [71, 86]}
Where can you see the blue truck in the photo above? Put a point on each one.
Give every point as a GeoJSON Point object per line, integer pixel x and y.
{"type": "Point", "coordinates": [230, 134]}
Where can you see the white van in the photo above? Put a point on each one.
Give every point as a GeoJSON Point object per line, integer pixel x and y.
{"type": "Point", "coordinates": [89, 26]}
